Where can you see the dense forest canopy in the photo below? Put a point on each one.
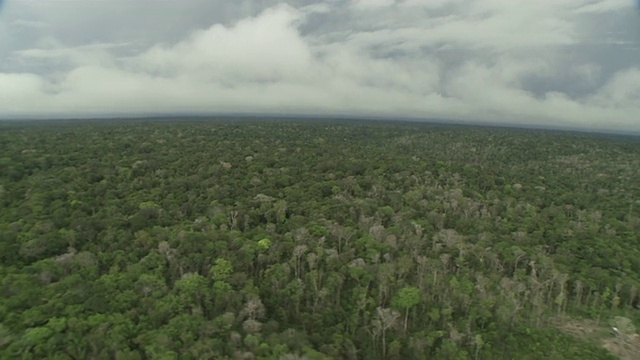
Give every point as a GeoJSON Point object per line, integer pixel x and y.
{"type": "Point", "coordinates": [227, 239]}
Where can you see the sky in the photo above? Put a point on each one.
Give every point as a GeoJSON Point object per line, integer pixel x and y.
{"type": "Point", "coordinates": [565, 63]}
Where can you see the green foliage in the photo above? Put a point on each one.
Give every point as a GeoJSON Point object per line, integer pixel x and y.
{"type": "Point", "coordinates": [407, 297]}
{"type": "Point", "coordinates": [221, 270]}
{"type": "Point", "coordinates": [148, 205]}
{"type": "Point", "coordinates": [317, 240]}
{"type": "Point", "coordinates": [264, 244]}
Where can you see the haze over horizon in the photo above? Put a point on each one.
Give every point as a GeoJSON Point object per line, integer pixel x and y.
{"type": "Point", "coordinates": [566, 63]}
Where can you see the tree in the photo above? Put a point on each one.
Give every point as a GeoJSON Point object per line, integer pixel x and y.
{"type": "Point", "coordinates": [405, 299]}
{"type": "Point", "coordinates": [221, 270]}
{"type": "Point", "coordinates": [130, 240]}
{"type": "Point", "coordinates": [385, 319]}
{"type": "Point", "coordinates": [479, 343]}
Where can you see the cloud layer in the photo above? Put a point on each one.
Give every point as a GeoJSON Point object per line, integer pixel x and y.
{"type": "Point", "coordinates": [571, 63]}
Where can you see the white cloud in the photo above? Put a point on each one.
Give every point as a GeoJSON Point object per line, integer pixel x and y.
{"type": "Point", "coordinates": [372, 3]}
{"type": "Point", "coordinates": [605, 6]}
{"type": "Point", "coordinates": [264, 48]}
{"type": "Point", "coordinates": [19, 92]}
{"type": "Point", "coordinates": [500, 61]}
{"type": "Point", "coordinates": [29, 23]}
{"type": "Point", "coordinates": [588, 73]}
{"type": "Point", "coordinates": [622, 91]}
{"type": "Point", "coordinates": [92, 54]}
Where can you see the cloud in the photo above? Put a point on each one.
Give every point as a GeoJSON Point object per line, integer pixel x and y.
{"type": "Point", "coordinates": [372, 3]}
{"type": "Point", "coordinates": [29, 24]}
{"type": "Point", "coordinates": [486, 60]}
{"type": "Point", "coordinates": [16, 89]}
{"type": "Point", "coordinates": [621, 92]}
{"type": "Point", "coordinates": [265, 48]}
{"type": "Point", "coordinates": [605, 6]}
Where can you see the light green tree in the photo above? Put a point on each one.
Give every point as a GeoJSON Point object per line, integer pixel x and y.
{"type": "Point", "coordinates": [406, 299]}
{"type": "Point", "coordinates": [221, 270]}
{"type": "Point", "coordinates": [264, 244]}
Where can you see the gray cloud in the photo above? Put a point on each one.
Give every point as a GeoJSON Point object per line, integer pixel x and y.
{"type": "Point", "coordinates": [571, 63]}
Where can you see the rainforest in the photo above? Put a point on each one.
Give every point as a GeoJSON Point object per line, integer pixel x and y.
{"type": "Point", "coordinates": [316, 239]}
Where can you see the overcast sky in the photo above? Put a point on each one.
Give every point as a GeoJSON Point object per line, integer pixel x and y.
{"type": "Point", "coordinates": [573, 63]}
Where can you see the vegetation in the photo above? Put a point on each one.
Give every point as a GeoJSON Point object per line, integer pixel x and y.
{"type": "Point", "coordinates": [313, 240]}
